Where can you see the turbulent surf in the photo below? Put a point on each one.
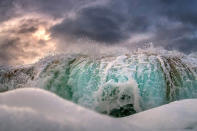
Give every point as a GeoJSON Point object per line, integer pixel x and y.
{"type": "Point", "coordinates": [117, 85]}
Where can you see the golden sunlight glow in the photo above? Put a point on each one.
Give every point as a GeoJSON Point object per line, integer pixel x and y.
{"type": "Point", "coordinates": [34, 45]}
{"type": "Point", "coordinates": [41, 34]}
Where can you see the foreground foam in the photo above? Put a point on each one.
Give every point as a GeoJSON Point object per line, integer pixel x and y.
{"type": "Point", "coordinates": [36, 109]}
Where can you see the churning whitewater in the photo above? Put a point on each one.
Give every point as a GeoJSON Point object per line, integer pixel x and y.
{"type": "Point", "coordinates": [117, 85]}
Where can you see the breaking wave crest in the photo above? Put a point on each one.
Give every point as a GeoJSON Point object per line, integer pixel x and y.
{"type": "Point", "coordinates": [117, 85]}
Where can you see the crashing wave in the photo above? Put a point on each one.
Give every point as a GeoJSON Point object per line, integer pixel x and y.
{"type": "Point", "coordinates": [117, 85]}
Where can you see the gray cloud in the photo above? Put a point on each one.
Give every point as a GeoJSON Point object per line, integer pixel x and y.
{"type": "Point", "coordinates": [120, 20]}
{"type": "Point", "coordinates": [176, 36]}
{"type": "Point", "coordinates": [101, 23]}
{"type": "Point", "coordinates": [7, 9]}
{"type": "Point", "coordinates": [91, 23]}
{"type": "Point", "coordinates": [184, 11]}
{"type": "Point", "coordinates": [172, 23]}
{"type": "Point", "coordinates": [50, 7]}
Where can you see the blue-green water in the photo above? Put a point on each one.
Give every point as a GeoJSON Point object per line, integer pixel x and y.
{"type": "Point", "coordinates": [114, 85]}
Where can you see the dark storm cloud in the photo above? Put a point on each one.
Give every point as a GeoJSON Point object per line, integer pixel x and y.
{"type": "Point", "coordinates": [102, 24]}
{"type": "Point", "coordinates": [7, 9]}
{"type": "Point", "coordinates": [176, 36]}
{"type": "Point", "coordinates": [55, 8]}
{"type": "Point", "coordinates": [119, 20]}
{"type": "Point", "coordinates": [186, 45]}
{"type": "Point", "coordinates": [171, 23]}
{"type": "Point", "coordinates": [184, 10]}
{"type": "Point", "coordinates": [183, 36]}
{"type": "Point", "coordinates": [93, 24]}
{"type": "Point", "coordinates": [111, 23]}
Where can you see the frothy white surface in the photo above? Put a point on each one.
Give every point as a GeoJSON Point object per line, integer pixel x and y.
{"type": "Point", "coordinates": [38, 110]}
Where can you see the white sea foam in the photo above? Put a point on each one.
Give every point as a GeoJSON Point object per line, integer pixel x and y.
{"type": "Point", "coordinates": [38, 110]}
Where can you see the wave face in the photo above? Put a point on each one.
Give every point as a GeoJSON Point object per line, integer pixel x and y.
{"type": "Point", "coordinates": [115, 85]}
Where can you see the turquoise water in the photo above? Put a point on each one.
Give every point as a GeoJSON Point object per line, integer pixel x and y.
{"type": "Point", "coordinates": [114, 85]}
{"type": "Point", "coordinates": [135, 82]}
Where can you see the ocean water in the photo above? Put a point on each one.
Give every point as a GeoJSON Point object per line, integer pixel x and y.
{"type": "Point", "coordinates": [115, 85]}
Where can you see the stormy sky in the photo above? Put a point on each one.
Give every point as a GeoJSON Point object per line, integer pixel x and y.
{"type": "Point", "coordinates": [29, 29]}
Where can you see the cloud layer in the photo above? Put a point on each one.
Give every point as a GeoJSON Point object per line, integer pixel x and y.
{"type": "Point", "coordinates": [166, 23]}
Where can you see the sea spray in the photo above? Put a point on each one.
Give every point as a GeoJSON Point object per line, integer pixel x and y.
{"type": "Point", "coordinates": [118, 99]}
{"type": "Point", "coordinates": [117, 85]}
